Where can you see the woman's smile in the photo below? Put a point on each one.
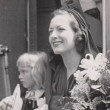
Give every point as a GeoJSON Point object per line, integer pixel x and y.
{"type": "Point", "coordinates": [57, 43]}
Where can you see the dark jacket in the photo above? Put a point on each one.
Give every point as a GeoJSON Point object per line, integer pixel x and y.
{"type": "Point", "coordinates": [56, 84]}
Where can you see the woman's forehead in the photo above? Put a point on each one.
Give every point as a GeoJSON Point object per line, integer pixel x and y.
{"type": "Point", "coordinates": [62, 19]}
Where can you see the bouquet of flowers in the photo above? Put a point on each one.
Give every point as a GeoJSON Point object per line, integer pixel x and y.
{"type": "Point", "coordinates": [92, 86]}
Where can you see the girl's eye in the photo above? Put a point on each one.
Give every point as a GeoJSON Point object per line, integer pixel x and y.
{"type": "Point", "coordinates": [23, 72]}
{"type": "Point", "coordinates": [50, 31]}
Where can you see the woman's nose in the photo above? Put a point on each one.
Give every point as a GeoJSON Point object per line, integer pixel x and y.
{"type": "Point", "coordinates": [54, 34]}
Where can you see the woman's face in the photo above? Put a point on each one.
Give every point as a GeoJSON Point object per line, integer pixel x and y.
{"type": "Point", "coordinates": [61, 34]}
{"type": "Point", "coordinates": [25, 76]}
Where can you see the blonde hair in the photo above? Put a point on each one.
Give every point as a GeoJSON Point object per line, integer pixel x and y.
{"type": "Point", "coordinates": [38, 61]}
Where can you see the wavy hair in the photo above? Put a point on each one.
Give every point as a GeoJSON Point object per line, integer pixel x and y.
{"type": "Point", "coordinates": [38, 61]}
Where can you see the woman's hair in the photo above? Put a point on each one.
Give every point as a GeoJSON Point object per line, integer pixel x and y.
{"type": "Point", "coordinates": [38, 61]}
{"type": "Point", "coordinates": [80, 40]}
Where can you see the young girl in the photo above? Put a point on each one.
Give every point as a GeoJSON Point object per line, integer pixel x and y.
{"type": "Point", "coordinates": [32, 68]}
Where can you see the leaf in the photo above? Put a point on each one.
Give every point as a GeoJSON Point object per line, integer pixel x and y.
{"type": "Point", "coordinates": [106, 102]}
{"type": "Point", "coordinates": [96, 86]}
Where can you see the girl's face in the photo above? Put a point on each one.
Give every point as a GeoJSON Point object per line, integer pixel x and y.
{"type": "Point", "coordinates": [25, 76]}
{"type": "Point", "coordinates": [61, 34]}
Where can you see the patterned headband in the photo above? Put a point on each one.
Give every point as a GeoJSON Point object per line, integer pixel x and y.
{"type": "Point", "coordinates": [72, 9]}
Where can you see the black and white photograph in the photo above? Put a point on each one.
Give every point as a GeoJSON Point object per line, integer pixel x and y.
{"type": "Point", "coordinates": [54, 55]}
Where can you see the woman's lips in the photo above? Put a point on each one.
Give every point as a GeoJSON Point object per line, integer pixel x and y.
{"type": "Point", "coordinates": [57, 43]}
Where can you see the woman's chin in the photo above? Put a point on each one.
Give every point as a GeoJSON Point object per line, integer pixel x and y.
{"type": "Point", "coordinates": [58, 51]}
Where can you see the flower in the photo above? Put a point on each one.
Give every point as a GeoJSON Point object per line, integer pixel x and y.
{"type": "Point", "coordinates": [93, 67]}
{"type": "Point", "coordinates": [94, 76]}
{"type": "Point", "coordinates": [92, 84]}
{"type": "Point", "coordinates": [95, 64]}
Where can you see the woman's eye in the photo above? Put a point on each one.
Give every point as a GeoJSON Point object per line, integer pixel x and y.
{"type": "Point", "coordinates": [61, 29]}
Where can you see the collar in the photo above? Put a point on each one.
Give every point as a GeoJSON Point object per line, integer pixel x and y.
{"type": "Point", "coordinates": [34, 94]}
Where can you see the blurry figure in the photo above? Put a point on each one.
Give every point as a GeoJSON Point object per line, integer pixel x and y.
{"type": "Point", "coordinates": [99, 6]}
{"type": "Point", "coordinates": [32, 68]}
{"type": "Point", "coordinates": [90, 7]}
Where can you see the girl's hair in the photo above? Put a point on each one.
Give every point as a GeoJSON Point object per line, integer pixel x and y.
{"type": "Point", "coordinates": [80, 41]}
{"type": "Point", "coordinates": [38, 61]}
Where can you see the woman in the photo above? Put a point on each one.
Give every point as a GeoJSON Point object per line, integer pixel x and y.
{"type": "Point", "coordinates": [32, 68]}
{"type": "Point", "coordinates": [70, 40]}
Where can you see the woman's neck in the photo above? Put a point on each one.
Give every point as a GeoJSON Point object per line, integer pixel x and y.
{"type": "Point", "coordinates": [71, 61]}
